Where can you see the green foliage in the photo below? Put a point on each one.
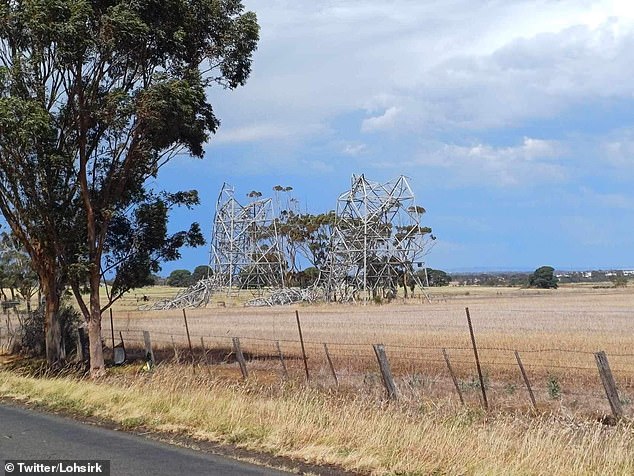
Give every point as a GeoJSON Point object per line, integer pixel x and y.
{"type": "Point", "coordinates": [436, 277]}
{"type": "Point", "coordinates": [307, 233]}
{"type": "Point", "coordinates": [619, 281]}
{"type": "Point", "coordinates": [179, 278]}
{"type": "Point", "coordinates": [16, 271]}
{"type": "Point", "coordinates": [554, 388]}
{"type": "Point", "coordinates": [96, 97]}
{"type": "Point", "coordinates": [32, 331]}
{"type": "Point", "coordinates": [200, 272]}
{"type": "Point", "coordinates": [543, 278]}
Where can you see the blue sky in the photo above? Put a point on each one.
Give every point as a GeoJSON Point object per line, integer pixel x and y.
{"type": "Point", "coordinates": [513, 120]}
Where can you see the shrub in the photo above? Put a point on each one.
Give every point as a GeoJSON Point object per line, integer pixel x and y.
{"type": "Point", "coordinates": [554, 388]}
{"type": "Point", "coordinates": [33, 339]}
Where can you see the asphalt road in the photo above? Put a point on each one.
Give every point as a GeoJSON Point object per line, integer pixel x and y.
{"type": "Point", "coordinates": [26, 434]}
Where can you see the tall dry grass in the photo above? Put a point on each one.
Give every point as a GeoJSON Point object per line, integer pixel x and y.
{"type": "Point", "coordinates": [357, 431]}
{"type": "Point", "coordinates": [556, 332]}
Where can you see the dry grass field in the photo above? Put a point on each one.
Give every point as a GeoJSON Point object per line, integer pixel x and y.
{"type": "Point", "coordinates": [556, 333]}
{"type": "Point", "coordinates": [352, 425]}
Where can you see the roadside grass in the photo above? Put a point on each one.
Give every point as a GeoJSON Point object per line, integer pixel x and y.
{"type": "Point", "coordinates": [357, 431]}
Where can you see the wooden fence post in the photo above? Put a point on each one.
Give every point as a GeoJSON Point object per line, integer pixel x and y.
{"type": "Point", "coordinates": [240, 357]}
{"type": "Point", "coordinates": [111, 328]}
{"type": "Point", "coordinates": [608, 383]}
{"type": "Point", "coordinates": [122, 342]}
{"type": "Point", "coordinates": [477, 359]}
{"type": "Point", "coordinates": [332, 367]}
{"type": "Point", "coordinates": [149, 353]}
{"type": "Point", "coordinates": [279, 353]}
{"type": "Point", "coordinates": [453, 376]}
{"type": "Point", "coordinates": [189, 340]}
{"type": "Point", "coordinates": [526, 381]}
{"type": "Point", "coordinates": [386, 372]}
{"type": "Point", "coordinates": [301, 340]}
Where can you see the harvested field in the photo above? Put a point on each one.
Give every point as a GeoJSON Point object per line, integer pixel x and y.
{"type": "Point", "coordinates": [556, 333]}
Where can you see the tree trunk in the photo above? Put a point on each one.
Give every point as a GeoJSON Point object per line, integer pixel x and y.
{"type": "Point", "coordinates": [52, 328]}
{"type": "Point", "coordinates": [97, 365]}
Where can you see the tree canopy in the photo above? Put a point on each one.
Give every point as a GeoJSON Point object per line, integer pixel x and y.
{"type": "Point", "coordinates": [180, 278]}
{"type": "Point", "coordinates": [543, 277]}
{"type": "Point", "coordinates": [95, 98]}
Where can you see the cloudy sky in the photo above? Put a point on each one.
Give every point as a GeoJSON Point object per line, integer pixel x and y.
{"type": "Point", "coordinates": [514, 121]}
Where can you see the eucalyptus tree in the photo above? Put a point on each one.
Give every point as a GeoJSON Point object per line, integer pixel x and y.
{"type": "Point", "coordinates": [95, 98]}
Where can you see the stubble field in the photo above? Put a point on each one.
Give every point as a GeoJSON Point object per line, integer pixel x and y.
{"type": "Point", "coordinates": [555, 332]}
{"type": "Point", "coordinates": [353, 425]}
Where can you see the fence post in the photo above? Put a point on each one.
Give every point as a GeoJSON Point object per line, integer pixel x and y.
{"type": "Point", "coordinates": [279, 352]}
{"type": "Point", "coordinates": [386, 372]}
{"type": "Point", "coordinates": [240, 357]}
{"type": "Point", "coordinates": [608, 383]}
{"type": "Point", "coordinates": [149, 353]}
{"type": "Point", "coordinates": [191, 349]}
{"type": "Point", "coordinates": [332, 367]}
{"type": "Point", "coordinates": [122, 342]}
{"type": "Point", "coordinates": [301, 340]}
{"type": "Point", "coordinates": [477, 359]}
{"type": "Point", "coordinates": [453, 376]}
{"type": "Point", "coordinates": [111, 328]}
{"type": "Point", "coordinates": [526, 382]}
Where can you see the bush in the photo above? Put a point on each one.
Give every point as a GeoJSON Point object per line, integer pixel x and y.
{"type": "Point", "coordinates": [33, 338]}
{"type": "Point", "coordinates": [619, 281]}
{"type": "Point", "coordinates": [543, 278]}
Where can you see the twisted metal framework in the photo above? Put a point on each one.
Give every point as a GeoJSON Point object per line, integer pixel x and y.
{"type": "Point", "coordinates": [245, 249]}
{"type": "Point", "coordinates": [245, 252]}
{"type": "Point", "coordinates": [376, 241]}
{"type": "Point", "coordinates": [197, 295]}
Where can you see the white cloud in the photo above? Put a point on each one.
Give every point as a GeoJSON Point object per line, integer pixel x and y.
{"type": "Point", "coordinates": [385, 121]}
{"type": "Point", "coordinates": [265, 132]}
{"type": "Point", "coordinates": [618, 151]}
{"type": "Point", "coordinates": [533, 161]}
{"type": "Point", "coordinates": [354, 149]}
{"type": "Point", "coordinates": [425, 69]}
{"type": "Point", "coordinates": [607, 200]}
{"type": "Point", "coordinates": [453, 63]}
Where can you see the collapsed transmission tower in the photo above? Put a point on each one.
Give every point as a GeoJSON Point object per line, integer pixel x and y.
{"type": "Point", "coordinates": [245, 250]}
{"type": "Point", "coordinates": [377, 240]}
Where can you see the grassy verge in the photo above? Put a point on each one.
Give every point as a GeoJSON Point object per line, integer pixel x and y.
{"type": "Point", "coordinates": [356, 432]}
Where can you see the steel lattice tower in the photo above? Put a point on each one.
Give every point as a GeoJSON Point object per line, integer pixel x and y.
{"type": "Point", "coordinates": [377, 240]}
{"type": "Point", "coordinates": [245, 250]}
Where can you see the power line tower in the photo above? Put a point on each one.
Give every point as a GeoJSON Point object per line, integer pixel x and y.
{"type": "Point", "coordinates": [377, 240]}
{"type": "Point", "coordinates": [245, 248]}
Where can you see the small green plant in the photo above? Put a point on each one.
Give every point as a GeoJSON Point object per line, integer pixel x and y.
{"type": "Point", "coordinates": [619, 281]}
{"type": "Point", "coordinates": [554, 388]}
{"type": "Point", "coordinates": [510, 388]}
{"type": "Point", "coordinates": [474, 383]}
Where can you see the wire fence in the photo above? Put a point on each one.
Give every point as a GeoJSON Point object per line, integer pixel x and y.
{"type": "Point", "coordinates": [510, 374]}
